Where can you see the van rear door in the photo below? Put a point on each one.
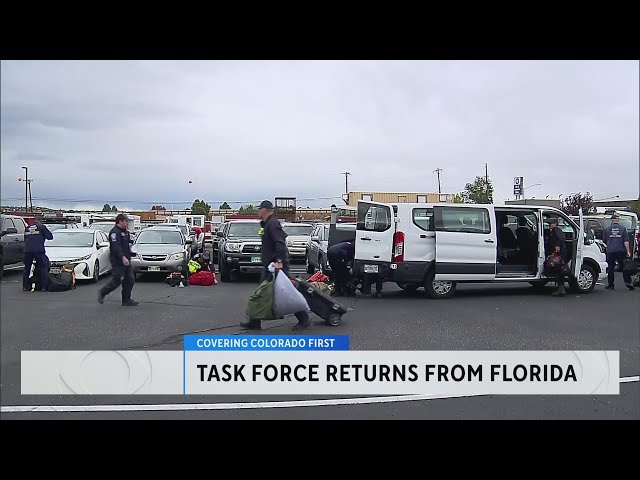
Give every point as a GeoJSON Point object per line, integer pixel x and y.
{"type": "Point", "coordinates": [579, 247]}
{"type": "Point", "coordinates": [466, 246]}
{"type": "Point", "coordinates": [376, 226]}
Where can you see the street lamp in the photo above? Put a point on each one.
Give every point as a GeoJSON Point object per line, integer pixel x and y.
{"type": "Point", "coordinates": [532, 185]}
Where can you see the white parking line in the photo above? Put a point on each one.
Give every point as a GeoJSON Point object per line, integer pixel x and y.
{"type": "Point", "coordinates": [168, 407]}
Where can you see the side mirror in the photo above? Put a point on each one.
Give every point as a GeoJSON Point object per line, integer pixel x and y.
{"type": "Point", "coordinates": [11, 231]}
{"type": "Point", "coordinates": [103, 244]}
{"type": "Point", "coordinates": [220, 234]}
{"type": "Point", "coordinates": [315, 238]}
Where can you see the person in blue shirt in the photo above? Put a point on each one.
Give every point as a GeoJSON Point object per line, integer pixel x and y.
{"type": "Point", "coordinates": [617, 240]}
{"type": "Point", "coordinates": [34, 238]}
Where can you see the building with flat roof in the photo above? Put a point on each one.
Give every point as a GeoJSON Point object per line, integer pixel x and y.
{"type": "Point", "coordinates": [398, 197]}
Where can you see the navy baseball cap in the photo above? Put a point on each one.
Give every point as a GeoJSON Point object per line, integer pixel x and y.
{"type": "Point", "coordinates": [266, 204]}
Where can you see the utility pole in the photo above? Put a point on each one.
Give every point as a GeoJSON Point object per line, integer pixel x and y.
{"type": "Point", "coordinates": [26, 188]}
{"type": "Point", "coordinates": [486, 179]}
{"type": "Point", "coordinates": [346, 184]}
{"type": "Point", "coordinates": [30, 198]}
{"type": "Point", "coordinates": [438, 170]}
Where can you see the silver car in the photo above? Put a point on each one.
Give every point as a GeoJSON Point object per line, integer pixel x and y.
{"type": "Point", "coordinates": [160, 249]}
{"type": "Point", "coordinates": [298, 237]}
{"type": "Point", "coordinates": [319, 244]}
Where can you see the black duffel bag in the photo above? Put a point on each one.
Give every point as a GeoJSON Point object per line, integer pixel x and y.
{"type": "Point", "coordinates": [60, 282]}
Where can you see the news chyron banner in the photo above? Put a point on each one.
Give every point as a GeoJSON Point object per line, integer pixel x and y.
{"type": "Point", "coordinates": [315, 365]}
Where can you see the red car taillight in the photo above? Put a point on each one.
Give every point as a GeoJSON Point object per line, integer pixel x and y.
{"type": "Point", "coordinates": [398, 247]}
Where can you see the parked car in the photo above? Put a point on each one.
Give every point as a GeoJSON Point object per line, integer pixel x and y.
{"type": "Point", "coordinates": [316, 251]}
{"type": "Point", "coordinates": [84, 248]}
{"type": "Point", "coordinates": [298, 237]}
{"type": "Point", "coordinates": [189, 234]}
{"type": "Point", "coordinates": [239, 248]}
{"type": "Point", "coordinates": [11, 243]}
{"type": "Point", "coordinates": [160, 249]}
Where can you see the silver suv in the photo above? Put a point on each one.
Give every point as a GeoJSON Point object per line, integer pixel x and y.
{"type": "Point", "coordinates": [160, 249]}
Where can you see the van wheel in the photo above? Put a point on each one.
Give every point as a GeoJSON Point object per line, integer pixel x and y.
{"type": "Point", "coordinates": [408, 287]}
{"type": "Point", "coordinates": [310, 268]}
{"type": "Point", "coordinates": [438, 289]}
{"type": "Point", "coordinates": [586, 280]}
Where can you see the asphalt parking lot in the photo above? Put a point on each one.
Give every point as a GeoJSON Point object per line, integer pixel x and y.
{"type": "Point", "coordinates": [479, 317]}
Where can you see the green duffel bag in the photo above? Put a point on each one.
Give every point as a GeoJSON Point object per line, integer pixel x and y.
{"type": "Point", "coordinates": [260, 306]}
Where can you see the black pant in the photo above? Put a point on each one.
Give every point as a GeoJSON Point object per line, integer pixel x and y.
{"type": "Point", "coordinates": [370, 278]}
{"type": "Point", "coordinates": [266, 274]}
{"type": "Point", "coordinates": [120, 275]}
{"type": "Point", "coordinates": [42, 267]}
{"type": "Point", "coordinates": [612, 258]}
{"type": "Point", "coordinates": [338, 264]}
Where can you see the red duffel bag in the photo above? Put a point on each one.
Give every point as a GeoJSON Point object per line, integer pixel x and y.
{"type": "Point", "coordinates": [204, 278]}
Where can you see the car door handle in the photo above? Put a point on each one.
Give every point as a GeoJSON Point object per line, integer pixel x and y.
{"type": "Point", "coordinates": [365, 238]}
{"type": "Point", "coordinates": [423, 236]}
{"type": "Point", "coordinates": [488, 240]}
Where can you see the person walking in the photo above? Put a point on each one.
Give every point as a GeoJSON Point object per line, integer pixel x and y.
{"type": "Point", "coordinates": [34, 238]}
{"type": "Point", "coordinates": [616, 238]}
{"type": "Point", "coordinates": [274, 250]}
{"type": "Point", "coordinates": [557, 245]}
{"type": "Point", "coordinates": [121, 270]}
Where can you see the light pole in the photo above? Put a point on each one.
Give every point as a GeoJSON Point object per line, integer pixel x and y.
{"type": "Point", "coordinates": [26, 186]}
{"type": "Point", "coordinates": [529, 186]}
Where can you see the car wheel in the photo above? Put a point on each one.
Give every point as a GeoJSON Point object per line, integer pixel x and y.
{"type": "Point", "coordinates": [586, 280]}
{"type": "Point", "coordinates": [96, 272]}
{"type": "Point", "coordinates": [225, 274]}
{"type": "Point", "coordinates": [310, 268]}
{"type": "Point", "coordinates": [438, 289]}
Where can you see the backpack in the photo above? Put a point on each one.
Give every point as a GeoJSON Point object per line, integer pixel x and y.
{"type": "Point", "coordinates": [61, 282]}
{"type": "Point", "coordinates": [174, 279]}
{"type": "Point", "coordinates": [202, 277]}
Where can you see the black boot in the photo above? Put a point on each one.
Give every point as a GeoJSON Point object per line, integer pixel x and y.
{"type": "Point", "coordinates": [251, 325]}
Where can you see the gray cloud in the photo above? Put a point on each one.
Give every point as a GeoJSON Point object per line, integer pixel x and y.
{"type": "Point", "coordinates": [138, 131]}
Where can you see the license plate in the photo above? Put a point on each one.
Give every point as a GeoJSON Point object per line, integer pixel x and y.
{"type": "Point", "coordinates": [256, 259]}
{"type": "Point", "coordinates": [154, 269]}
{"type": "Point", "coordinates": [54, 270]}
{"type": "Point", "coordinates": [371, 269]}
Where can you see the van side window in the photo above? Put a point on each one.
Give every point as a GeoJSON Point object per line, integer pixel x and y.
{"type": "Point", "coordinates": [465, 220]}
{"type": "Point", "coordinates": [19, 226]}
{"type": "Point", "coordinates": [376, 218]}
{"type": "Point", "coordinates": [423, 218]}
{"type": "Point", "coordinates": [8, 223]}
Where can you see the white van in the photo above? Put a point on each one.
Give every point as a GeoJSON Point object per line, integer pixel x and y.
{"type": "Point", "coordinates": [437, 245]}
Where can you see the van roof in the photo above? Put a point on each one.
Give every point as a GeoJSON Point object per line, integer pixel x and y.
{"type": "Point", "coordinates": [403, 205]}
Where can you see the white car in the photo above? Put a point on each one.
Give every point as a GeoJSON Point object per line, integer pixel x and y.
{"type": "Point", "coordinates": [298, 237]}
{"type": "Point", "coordinates": [86, 249]}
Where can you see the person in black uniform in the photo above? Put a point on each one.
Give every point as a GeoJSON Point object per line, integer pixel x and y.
{"type": "Point", "coordinates": [339, 255]}
{"type": "Point", "coordinates": [34, 238]}
{"type": "Point", "coordinates": [274, 249]}
{"type": "Point", "coordinates": [120, 256]}
{"type": "Point", "coordinates": [557, 243]}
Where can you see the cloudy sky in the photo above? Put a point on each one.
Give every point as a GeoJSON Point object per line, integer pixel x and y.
{"type": "Point", "coordinates": [134, 133]}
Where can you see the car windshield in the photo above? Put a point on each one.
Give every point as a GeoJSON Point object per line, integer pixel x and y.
{"type": "Point", "coordinates": [626, 222]}
{"type": "Point", "coordinates": [69, 238]}
{"type": "Point", "coordinates": [55, 226]}
{"type": "Point", "coordinates": [244, 229]}
{"type": "Point", "coordinates": [167, 237]}
{"type": "Point", "coordinates": [298, 229]}
{"type": "Point", "coordinates": [103, 227]}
